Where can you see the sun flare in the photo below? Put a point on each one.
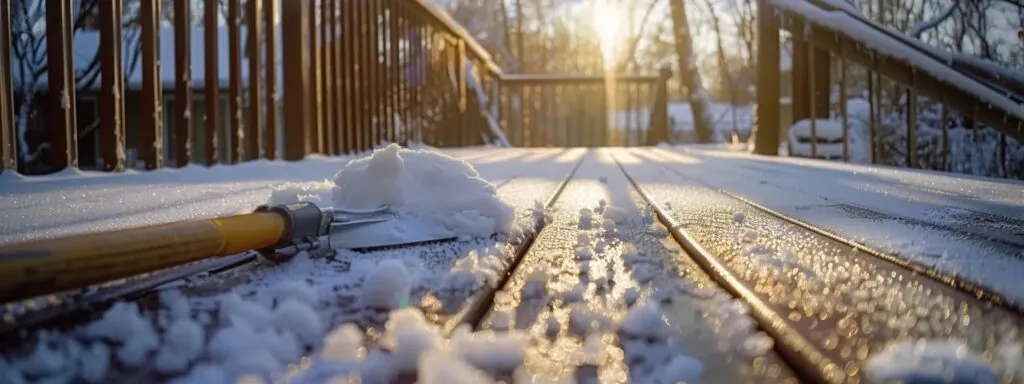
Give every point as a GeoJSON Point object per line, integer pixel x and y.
{"type": "Point", "coordinates": [607, 20]}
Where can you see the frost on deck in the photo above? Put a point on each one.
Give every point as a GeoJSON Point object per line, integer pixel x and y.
{"type": "Point", "coordinates": [356, 314]}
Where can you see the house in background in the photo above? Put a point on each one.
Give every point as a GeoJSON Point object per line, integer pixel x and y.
{"type": "Point", "coordinates": [86, 46]}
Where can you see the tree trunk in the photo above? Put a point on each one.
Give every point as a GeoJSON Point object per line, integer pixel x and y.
{"type": "Point", "coordinates": [700, 104]}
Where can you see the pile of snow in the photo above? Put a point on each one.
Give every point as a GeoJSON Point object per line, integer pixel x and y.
{"type": "Point", "coordinates": [424, 183]}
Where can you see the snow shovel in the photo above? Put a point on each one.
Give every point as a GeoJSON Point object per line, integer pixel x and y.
{"type": "Point", "coordinates": [278, 232]}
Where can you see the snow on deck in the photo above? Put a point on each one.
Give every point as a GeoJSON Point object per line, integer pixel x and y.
{"type": "Point", "coordinates": [80, 202]}
{"type": "Point", "coordinates": [274, 313]}
{"type": "Point", "coordinates": [963, 225]}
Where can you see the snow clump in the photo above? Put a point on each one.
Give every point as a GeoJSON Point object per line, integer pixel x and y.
{"type": "Point", "coordinates": [929, 361]}
{"type": "Point", "coordinates": [424, 183]}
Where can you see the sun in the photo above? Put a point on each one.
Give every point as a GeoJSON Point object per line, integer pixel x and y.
{"type": "Point", "coordinates": [607, 21]}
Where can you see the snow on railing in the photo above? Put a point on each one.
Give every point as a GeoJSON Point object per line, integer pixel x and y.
{"type": "Point", "coordinates": [913, 52]}
{"type": "Point", "coordinates": [483, 100]}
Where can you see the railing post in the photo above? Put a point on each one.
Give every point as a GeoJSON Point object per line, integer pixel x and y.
{"type": "Point", "coordinates": [211, 81]}
{"type": "Point", "coordinates": [8, 138]}
{"type": "Point", "coordinates": [183, 126]}
{"type": "Point", "coordinates": [766, 139]}
{"type": "Point", "coordinates": [295, 58]}
{"type": "Point", "coordinates": [658, 129]}
{"type": "Point", "coordinates": [61, 126]}
{"type": "Point", "coordinates": [111, 127]}
{"type": "Point", "coordinates": [151, 134]}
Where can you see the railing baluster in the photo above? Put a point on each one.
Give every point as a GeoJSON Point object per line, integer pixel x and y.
{"type": "Point", "coordinates": [270, 12]}
{"type": "Point", "coordinates": [873, 100]}
{"type": "Point", "coordinates": [254, 135]}
{"type": "Point", "coordinates": [237, 136]}
{"type": "Point", "coordinates": [1002, 155]}
{"type": "Point", "coordinates": [393, 85]}
{"type": "Point", "coordinates": [843, 113]}
{"type": "Point", "coordinates": [211, 82]}
{"type": "Point", "coordinates": [811, 100]}
{"type": "Point", "coordinates": [328, 40]}
{"type": "Point", "coordinates": [61, 126]}
{"type": "Point", "coordinates": [8, 138]}
{"type": "Point", "coordinates": [295, 68]}
{"type": "Point", "coordinates": [365, 88]}
{"type": "Point", "coordinates": [912, 122]}
{"type": "Point", "coordinates": [349, 112]}
{"type": "Point", "coordinates": [111, 129]}
{"type": "Point", "coordinates": [340, 81]}
{"type": "Point", "coordinates": [183, 126]}
{"type": "Point", "coordinates": [151, 126]}
{"type": "Point", "coordinates": [461, 89]}
{"type": "Point", "coordinates": [315, 88]}
{"type": "Point", "coordinates": [945, 131]}
{"type": "Point", "coordinates": [402, 78]}
{"type": "Point", "coordinates": [376, 86]}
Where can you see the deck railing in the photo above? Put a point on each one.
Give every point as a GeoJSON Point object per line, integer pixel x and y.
{"type": "Point", "coordinates": [590, 111]}
{"type": "Point", "coordinates": [925, 107]}
{"type": "Point", "coordinates": [279, 80]}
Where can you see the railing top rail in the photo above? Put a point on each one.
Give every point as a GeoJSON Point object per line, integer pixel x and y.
{"type": "Point", "coordinates": [451, 26]}
{"type": "Point", "coordinates": [528, 79]}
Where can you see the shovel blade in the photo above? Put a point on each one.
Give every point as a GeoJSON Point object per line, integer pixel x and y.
{"type": "Point", "coordinates": [397, 231]}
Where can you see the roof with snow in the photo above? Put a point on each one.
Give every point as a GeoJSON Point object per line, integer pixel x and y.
{"type": "Point", "coordinates": [86, 45]}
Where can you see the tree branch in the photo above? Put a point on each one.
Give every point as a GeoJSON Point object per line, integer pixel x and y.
{"type": "Point", "coordinates": [921, 28]}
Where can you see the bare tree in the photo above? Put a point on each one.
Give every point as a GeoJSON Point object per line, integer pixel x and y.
{"type": "Point", "coordinates": [723, 63]}
{"type": "Point", "coordinates": [700, 103]}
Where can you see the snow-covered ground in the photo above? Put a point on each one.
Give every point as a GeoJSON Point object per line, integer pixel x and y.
{"type": "Point", "coordinates": [681, 118]}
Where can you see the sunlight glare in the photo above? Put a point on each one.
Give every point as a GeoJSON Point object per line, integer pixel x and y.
{"type": "Point", "coordinates": [607, 20]}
